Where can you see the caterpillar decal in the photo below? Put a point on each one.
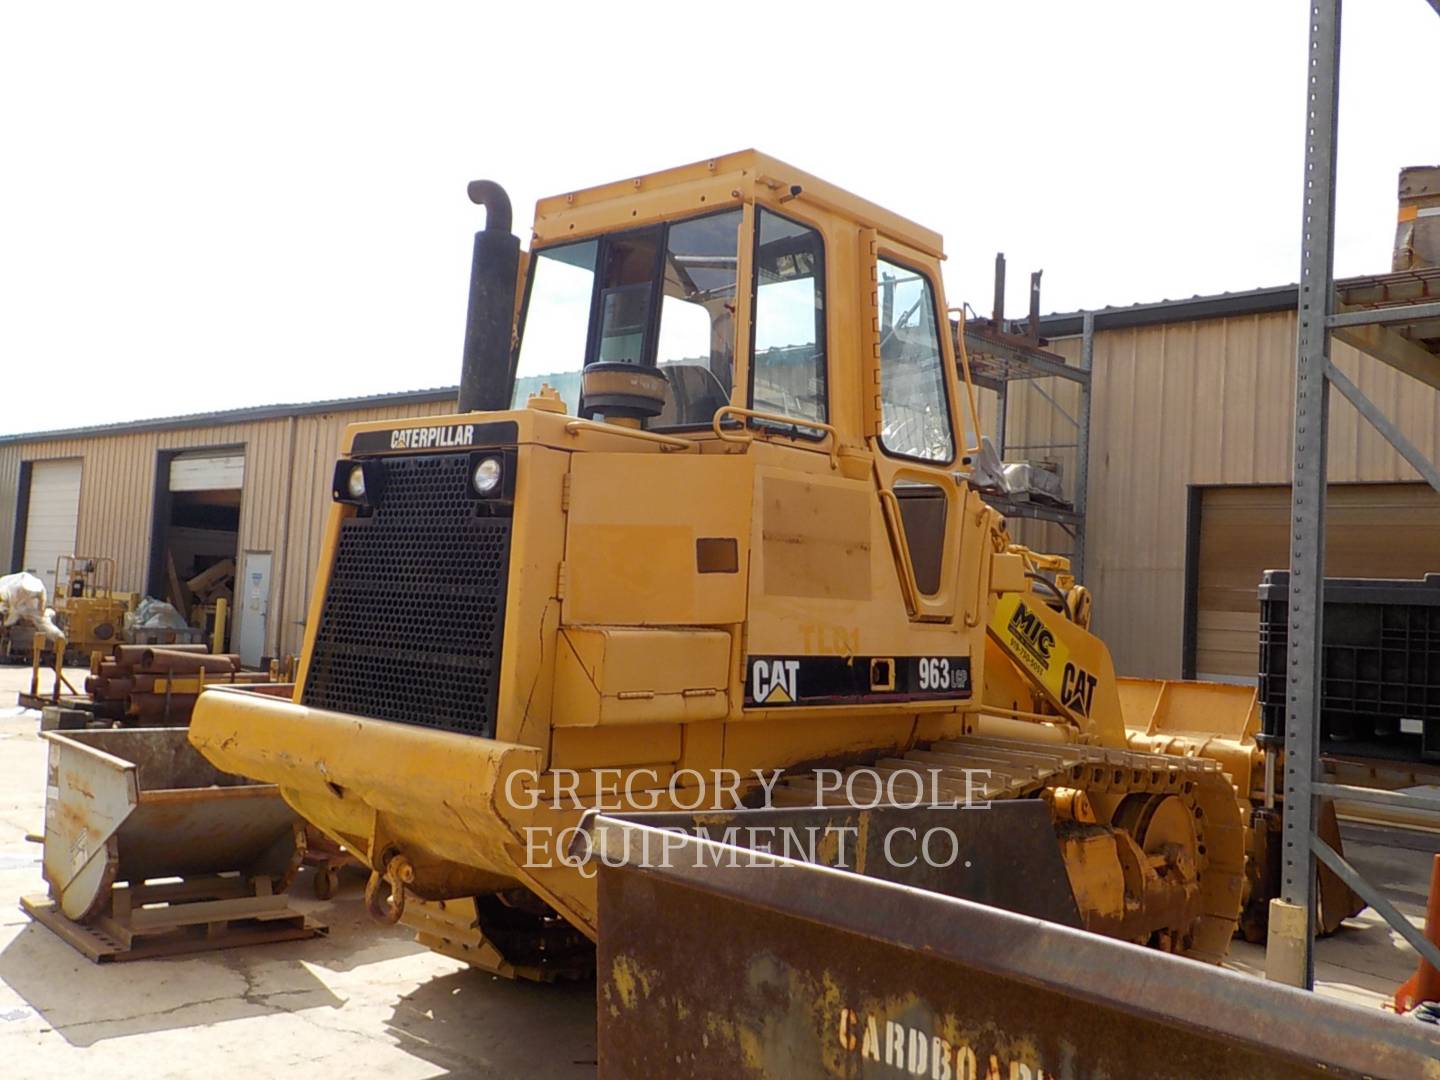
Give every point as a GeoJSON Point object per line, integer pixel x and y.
{"type": "Point", "coordinates": [1077, 688]}
{"type": "Point", "coordinates": [438, 437]}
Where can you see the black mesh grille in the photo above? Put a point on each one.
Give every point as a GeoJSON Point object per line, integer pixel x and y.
{"type": "Point", "coordinates": [415, 605]}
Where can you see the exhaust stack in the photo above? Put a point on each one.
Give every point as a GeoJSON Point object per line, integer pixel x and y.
{"type": "Point", "coordinates": [487, 374]}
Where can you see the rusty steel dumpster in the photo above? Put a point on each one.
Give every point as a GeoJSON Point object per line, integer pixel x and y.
{"type": "Point", "coordinates": [717, 961]}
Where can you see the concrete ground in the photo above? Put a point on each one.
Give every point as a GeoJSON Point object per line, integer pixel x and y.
{"type": "Point", "coordinates": [1365, 961]}
{"type": "Point", "coordinates": [366, 1000]}
{"type": "Point", "coordinates": [363, 1001]}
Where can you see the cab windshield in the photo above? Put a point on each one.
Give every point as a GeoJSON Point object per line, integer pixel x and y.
{"type": "Point", "coordinates": [662, 296]}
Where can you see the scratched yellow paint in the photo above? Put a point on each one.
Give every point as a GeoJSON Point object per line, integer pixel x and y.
{"type": "Point", "coordinates": [631, 981]}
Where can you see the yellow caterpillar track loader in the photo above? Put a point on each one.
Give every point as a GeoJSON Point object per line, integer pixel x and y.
{"type": "Point", "coordinates": [701, 530]}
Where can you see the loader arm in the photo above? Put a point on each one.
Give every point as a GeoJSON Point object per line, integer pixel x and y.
{"type": "Point", "coordinates": [1071, 671]}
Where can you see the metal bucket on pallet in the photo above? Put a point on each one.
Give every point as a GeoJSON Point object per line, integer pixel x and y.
{"type": "Point", "coordinates": [150, 849]}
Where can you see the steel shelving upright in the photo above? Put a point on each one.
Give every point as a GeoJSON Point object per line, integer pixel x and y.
{"type": "Point", "coordinates": [1001, 359]}
{"type": "Point", "coordinates": [1394, 322]}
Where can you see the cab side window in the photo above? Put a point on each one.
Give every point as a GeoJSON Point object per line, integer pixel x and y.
{"type": "Point", "coordinates": [788, 368]}
{"type": "Point", "coordinates": [915, 414]}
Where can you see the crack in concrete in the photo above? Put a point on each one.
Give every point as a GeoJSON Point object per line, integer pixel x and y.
{"type": "Point", "coordinates": [260, 1001]}
{"type": "Point", "coordinates": [250, 994]}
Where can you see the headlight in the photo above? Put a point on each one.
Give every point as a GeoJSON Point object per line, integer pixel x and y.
{"type": "Point", "coordinates": [355, 484]}
{"type": "Point", "coordinates": [486, 476]}
{"type": "Point", "coordinates": [358, 483]}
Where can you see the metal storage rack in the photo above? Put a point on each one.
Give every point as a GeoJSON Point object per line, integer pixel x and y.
{"type": "Point", "coordinates": [1393, 318]}
{"type": "Point", "coordinates": [1000, 357]}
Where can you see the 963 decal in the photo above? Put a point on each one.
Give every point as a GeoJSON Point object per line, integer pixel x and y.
{"type": "Point", "coordinates": [937, 673]}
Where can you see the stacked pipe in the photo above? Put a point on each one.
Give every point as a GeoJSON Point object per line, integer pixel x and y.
{"type": "Point", "coordinates": [139, 681]}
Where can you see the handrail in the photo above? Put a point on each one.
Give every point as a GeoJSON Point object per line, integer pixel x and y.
{"type": "Point", "coordinates": [895, 523]}
{"type": "Point", "coordinates": [746, 436]}
{"type": "Point", "coordinates": [668, 442]}
{"type": "Point", "coordinates": [969, 383]}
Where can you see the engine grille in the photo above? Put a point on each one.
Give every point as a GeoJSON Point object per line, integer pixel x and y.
{"type": "Point", "coordinates": [415, 607]}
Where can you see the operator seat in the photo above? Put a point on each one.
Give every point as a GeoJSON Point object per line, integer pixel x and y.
{"type": "Point", "coordinates": [695, 396]}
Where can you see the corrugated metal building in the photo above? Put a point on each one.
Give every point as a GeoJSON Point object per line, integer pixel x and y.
{"type": "Point", "coordinates": [126, 472]}
{"type": "Point", "coordinates": [1189, 462]}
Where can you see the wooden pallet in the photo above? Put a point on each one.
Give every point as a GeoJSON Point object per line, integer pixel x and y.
{"type": "Point", "coordinates": [177, 928]}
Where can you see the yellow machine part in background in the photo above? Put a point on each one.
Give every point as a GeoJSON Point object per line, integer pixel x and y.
{"type": "Point", "coordinates": [86, 607]}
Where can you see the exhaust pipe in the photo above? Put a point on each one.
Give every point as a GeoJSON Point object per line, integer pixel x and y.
{"type": "Point", "coordinates": [487, 374]}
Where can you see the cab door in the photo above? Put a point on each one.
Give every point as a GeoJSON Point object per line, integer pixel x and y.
{"type": "Point", "coordinates": [910, 417]}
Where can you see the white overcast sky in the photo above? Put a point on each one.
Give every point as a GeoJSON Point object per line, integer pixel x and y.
{"type": "Point", "coordinates": [207, 206]}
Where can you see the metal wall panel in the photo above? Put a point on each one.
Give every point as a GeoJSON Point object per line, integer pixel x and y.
{"type": "Point", "coordinates": [9, 500]}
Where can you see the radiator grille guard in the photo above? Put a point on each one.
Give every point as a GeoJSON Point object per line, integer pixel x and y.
{"type": "Point", "coordinates": [415, 607]}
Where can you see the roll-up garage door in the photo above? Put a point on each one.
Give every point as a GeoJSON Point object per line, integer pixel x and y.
{"type": "Point", "coordinates": [208, 470]}
{"type": "Point", "coordinates": [1371, 531]}
{"type": "Point", "coordinates": [50, 517]}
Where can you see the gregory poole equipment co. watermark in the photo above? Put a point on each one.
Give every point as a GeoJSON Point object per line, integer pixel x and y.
{"type": "Point", "coordinates": [714, 795]}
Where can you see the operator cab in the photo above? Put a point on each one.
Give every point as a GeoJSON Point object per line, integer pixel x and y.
{"type": "Point", "coordinates": [794, 310]}
{"type": "Point", "coordinates": [756, 306]}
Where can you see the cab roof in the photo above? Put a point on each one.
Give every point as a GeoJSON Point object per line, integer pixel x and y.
{"type": "Point", "coordinates": [770, 175]}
